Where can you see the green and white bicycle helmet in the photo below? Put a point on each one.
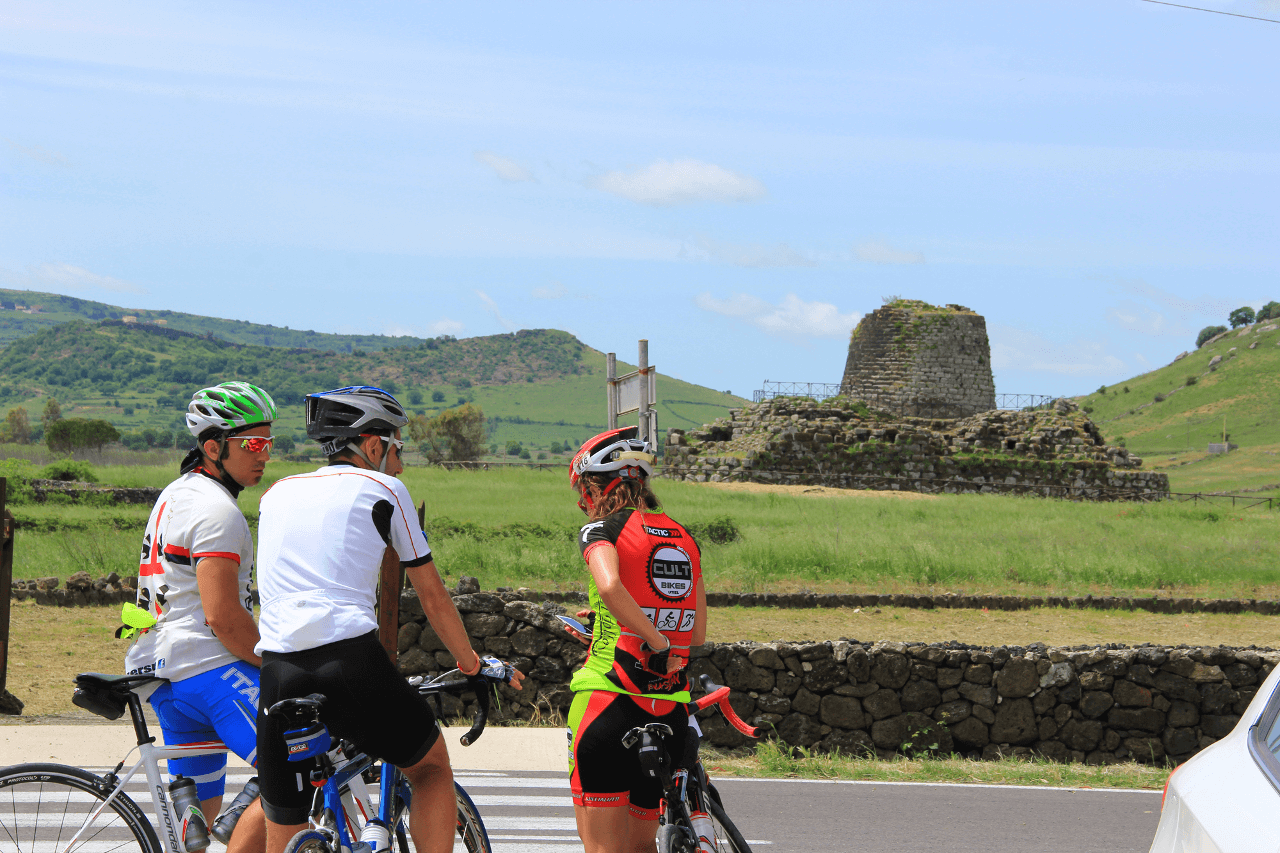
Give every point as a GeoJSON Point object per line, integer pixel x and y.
{"type": "Point", "coordinates": [229, 406]}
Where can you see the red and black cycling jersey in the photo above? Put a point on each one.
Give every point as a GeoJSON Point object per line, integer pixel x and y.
{"type": "Point", "coordinates": [660, 564]}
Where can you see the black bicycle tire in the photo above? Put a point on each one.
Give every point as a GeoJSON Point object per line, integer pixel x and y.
{"type": "Point", "coordinates": [61, 775]}
{"type": "Point", "coordinates": [475, 838]}
{"type": "Point", "coordinates": [737, 844]}
{"type": "Point", "coordinates": [310, 841]}
{"type": "Point", "coordinates": [669, 836]}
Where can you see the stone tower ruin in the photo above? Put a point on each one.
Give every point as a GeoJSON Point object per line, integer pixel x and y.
{"type": "Point", "coordinates": [914, 358]}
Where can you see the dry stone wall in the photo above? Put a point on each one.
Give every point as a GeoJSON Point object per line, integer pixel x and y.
{"type": "Point", "coordinates": [1099, 704]}
{"type": "Point", "coordinates": [843, 443]}
{"type": "Point", "coordinates": [911, 356]}
{"type": "Point", "coordinates": [1096, 704]}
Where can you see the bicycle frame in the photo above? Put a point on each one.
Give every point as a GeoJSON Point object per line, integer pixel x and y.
{"type": "Point", "coordinates": [149, 754]}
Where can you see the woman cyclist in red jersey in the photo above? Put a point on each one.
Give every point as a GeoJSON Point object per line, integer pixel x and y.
{"type": "Point", "coordinates": [646, 589]}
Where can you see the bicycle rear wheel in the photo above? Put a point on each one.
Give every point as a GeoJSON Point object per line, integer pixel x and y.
{"type": "Point", "coordinates": [728, 838]}
{"type": "Point", "coordinates": [311, 841]}
{"type": "Point", "coordinates": [44, 807]}
{"type": "Point", "coordinates": [470, 827]}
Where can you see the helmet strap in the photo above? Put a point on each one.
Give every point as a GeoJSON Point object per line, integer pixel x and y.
{"type": "Point", "coordinates": [381, 467]}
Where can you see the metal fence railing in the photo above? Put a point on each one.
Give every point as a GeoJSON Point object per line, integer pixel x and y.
{"type": "Point", "coordinates": [921, 407]}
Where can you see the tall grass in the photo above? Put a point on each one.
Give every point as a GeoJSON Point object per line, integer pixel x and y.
{"type": "Point", "coordinates": [852, 542]}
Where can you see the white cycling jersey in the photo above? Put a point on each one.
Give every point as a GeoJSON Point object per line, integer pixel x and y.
{"type": "Point", "coordinates": [194, 517]}
{"type": "Point", "coordinates": [321, 537]}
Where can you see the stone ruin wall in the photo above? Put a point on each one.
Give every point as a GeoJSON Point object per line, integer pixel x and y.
{"type": "Point", "coordinates": [1053, 453]}
{"type": "Point", "coordinates": [914, 358]}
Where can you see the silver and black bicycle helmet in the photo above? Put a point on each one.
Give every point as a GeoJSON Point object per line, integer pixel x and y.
{"type": "Point", "coordinates": [335, 418]}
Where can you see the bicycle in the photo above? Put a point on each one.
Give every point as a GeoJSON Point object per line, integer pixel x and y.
{"type": "Point", "coordinates": [333, 828]}
{"type": "Point", "coordinates": [688, 796]}
{"type": "Point", "coordinates": [57, 808]}
{"type": "Point", "coordinates": [687, 790]}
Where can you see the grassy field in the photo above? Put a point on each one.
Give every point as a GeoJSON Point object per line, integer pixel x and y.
{"type": "Point", "coordinates": [516, 528]}
{"type": "Point", "coordinates": [1241, 394]}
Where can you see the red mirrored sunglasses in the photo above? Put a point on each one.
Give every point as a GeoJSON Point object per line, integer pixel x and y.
{"type": "Point", "coordinates": [253, 443]}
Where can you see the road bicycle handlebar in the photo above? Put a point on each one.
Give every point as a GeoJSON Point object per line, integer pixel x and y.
{"type": "Point", "coordinates": [493, 671]}
{"type": "Point", "coordinates": [719, 696]}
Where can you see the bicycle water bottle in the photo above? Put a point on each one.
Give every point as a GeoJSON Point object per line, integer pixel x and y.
{"type": "Point", "coordinates": [226, 822]}
{"type": "Point", "coordinates": [376, 835]}
{"type": "Point", "coordinates": [706, 832]}
{"type": "Point", "coordinates": [186, 807]}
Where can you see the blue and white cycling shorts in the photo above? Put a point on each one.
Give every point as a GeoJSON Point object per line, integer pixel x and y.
{"type": "Point", "coordinates": [221, 704]}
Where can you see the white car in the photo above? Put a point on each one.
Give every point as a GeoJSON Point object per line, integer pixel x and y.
{"type": "Point", "coordinates": [1226, 798]}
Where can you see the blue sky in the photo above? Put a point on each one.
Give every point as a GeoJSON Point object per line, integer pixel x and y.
{"type": "Point", "coordinates": [737, 182]}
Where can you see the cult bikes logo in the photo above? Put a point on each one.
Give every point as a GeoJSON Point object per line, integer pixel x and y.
{"type": "Point", "coordinates": [671, 573]}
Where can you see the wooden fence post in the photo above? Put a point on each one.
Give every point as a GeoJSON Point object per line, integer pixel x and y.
{"type": "Point", "coordinates": [6, 580]}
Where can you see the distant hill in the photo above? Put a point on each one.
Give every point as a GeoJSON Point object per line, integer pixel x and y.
{"type": "Point", "coordinates": [45, 310]}
{"type": "Point", "coordinates": [536, 386]}
{"type": "Point", "coordinates": [1177, 410]}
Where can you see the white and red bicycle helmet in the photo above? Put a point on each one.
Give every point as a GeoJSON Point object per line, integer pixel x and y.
{"type": "Point", "coordinates": [620, 452]}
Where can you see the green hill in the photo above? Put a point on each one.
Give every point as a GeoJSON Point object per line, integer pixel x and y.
{"type": "Point", "coordinates": [536, 386]}
{"type": "Point", "coordinates": [45, 310]}
{"type": "Point", "coordinates": [1170, 415]}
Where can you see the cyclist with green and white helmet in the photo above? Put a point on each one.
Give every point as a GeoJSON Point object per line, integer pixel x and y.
{"type": "Point", "coordinates": [194, 616]}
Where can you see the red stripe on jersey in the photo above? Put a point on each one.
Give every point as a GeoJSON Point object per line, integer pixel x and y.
{"type": "Point", "coordinates": [227, 554]}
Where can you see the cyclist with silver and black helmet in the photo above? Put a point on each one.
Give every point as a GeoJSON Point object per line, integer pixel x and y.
{"type": "Point", "coordinates": [321, 539]}
{"type": "Point", "coordinates": [193, 622]}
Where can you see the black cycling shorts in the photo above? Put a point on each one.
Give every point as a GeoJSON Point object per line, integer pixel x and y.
{"type": "Point", "coordinates": [366, 702]}
{"type": "Point", "coordinates": [606, 774]}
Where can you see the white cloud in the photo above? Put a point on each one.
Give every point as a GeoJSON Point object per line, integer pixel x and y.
{"type": "Point", "coordinates": [664, 183]}
{"type": "Point", "coordinates": [793, 317]}
{"type": "Point", "coordinates": [1142, 320]}
{"type": "Point", "coordinates": [1022, 351]}
{"type": "Point", "coordinates": [556, 291]}
{"type": "Point", "coordinates": [63, 277]}
{"type": "Point", "coordinates": [504, 167]}
{"type": "Point", "coordinates": [880, 252]}
{"type": "Point", "coordinates": [492, 308]}
{"type": "Point", "coordinates": [445, 326]}
{"type": "Point", "coordinates": [747, 255]}
{"type": "Point", "coordinates": [35, 152]}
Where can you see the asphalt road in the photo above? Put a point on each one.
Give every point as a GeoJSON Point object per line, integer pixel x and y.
{"type": "Point", "coordinates": [530, 811]}
{"type": "Point", "coordinates": [863, 817]}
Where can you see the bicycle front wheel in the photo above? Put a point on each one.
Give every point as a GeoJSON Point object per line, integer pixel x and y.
{"type": "Point", "coordinates": [728, 838]}
{"type": "Point", "coordinates": [470, 827]}
{"type": "Point", "coordinates": [53, 808]}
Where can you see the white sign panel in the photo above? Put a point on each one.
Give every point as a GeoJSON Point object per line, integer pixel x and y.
{"type": "Point", "coordinates": [629, 391]}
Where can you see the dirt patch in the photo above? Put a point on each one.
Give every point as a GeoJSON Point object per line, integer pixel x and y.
{"type": "Point", "coordinates": [819, 491]}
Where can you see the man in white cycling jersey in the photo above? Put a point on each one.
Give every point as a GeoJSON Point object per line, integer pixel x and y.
{"type": "Point", "coordinates": [321, 539]}
{"type": "Point", "coordinates": [195, 601]}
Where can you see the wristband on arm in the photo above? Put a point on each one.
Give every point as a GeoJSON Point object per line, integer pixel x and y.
{"type": "Point", "coordinates": [476, 671]}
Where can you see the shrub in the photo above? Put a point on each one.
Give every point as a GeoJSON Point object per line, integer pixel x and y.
{"type": "Point", "coordinates": [285, 444]}
{"type": "Point", "coordinates": [437, 396]}
{"type": "Point", "coordinates": [524, 453]}
{"type": "Point", "coordinates": [513, 448]}
{"type": "Point", "coordinates": [720, 530]}
{"type": "Point", "coordinates": [415, 398]}
{"type": "Point", "coordinates": [1126, 389]}
{"type": "Point", "coordinates": [1159, 398]}
{"type": "Point", "coordinates": [68, 469]}
{"type": "Point", "coordinates": [1102, 389]}
{"type": "Point", "coordinates": [1208, 333]}
{"type": "Point", "coordinates": [1270, 311]}
{"type": "Point", "coordinates": [1191, 380]}
{"type": "Point", "coordinates": [128, 410]}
